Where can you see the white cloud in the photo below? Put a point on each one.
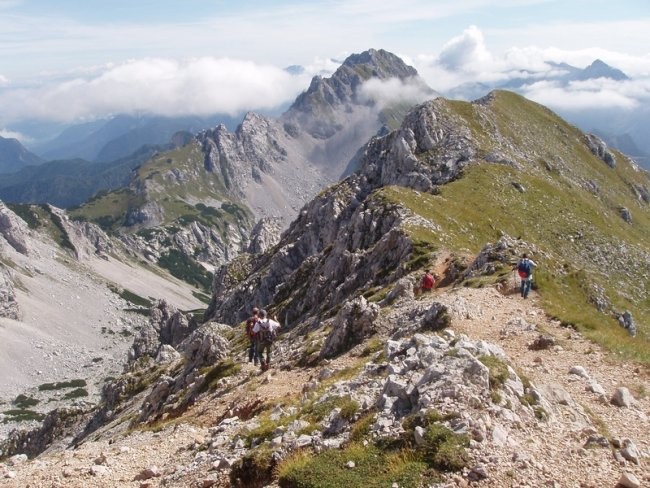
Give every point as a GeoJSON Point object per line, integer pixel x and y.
{"type": "Point", "coordinates": [466, 52]}
{"type": "Point", "coordinates": [578, 98]}
{"type": "Point", "coordinates": [12, 134]}
{"type": "Point", "coordinates": [163, 86]}
{"type": "Point", "coordinates": [394, 90]}
{"type": "Point", "coordinates": [4, 80]}
{"type": "Point", "coordinates": [466, 60]}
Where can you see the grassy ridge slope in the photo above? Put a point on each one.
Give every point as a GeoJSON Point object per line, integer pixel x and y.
{"type": "Point", "coordinates": [569, 211]}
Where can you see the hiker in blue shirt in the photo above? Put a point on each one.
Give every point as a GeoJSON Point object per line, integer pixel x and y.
{"type": "Point", "coordinates": [525, 270]}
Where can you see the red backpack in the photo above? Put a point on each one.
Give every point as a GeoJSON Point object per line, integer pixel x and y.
{"type": "Point", "coordinates": [250, 323]}
{"type": "Point", "coordinates": [428, 282]}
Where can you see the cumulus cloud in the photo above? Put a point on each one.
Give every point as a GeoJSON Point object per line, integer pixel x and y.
{"type": "Point", "coordinates": [394, 90]}
{"type": "Point", "coordinates": [535, 72]}
{"type": "Point", "coordinates": [12, 134]}
{"type": "Point", "coordinates": [592, 94]}
{"type": "Point", "coordinates": [466, 52]}
{"type": "Point", "coordinates": [200, 86]}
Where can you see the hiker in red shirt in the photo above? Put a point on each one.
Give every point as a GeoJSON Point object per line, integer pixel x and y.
{"type": "Point", "coordinates": [428, 281]}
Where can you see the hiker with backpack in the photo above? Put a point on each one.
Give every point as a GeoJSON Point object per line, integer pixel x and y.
{"type": "Point", "coordinates": [265, 330]}
{"type": "Point", "coordinates": [525, 270]}
{"type": "Point", "coordinates": [250, 324]}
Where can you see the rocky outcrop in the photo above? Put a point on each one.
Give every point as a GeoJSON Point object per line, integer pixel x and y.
{"type": "Point", "coordinates": [167, 326]}
{"type": "Point", "coordinates": [206, 345]}
{"type": "Point", "coordinates": [8, 305]}
{"type": "Point", "coordinates": [13, 229]}
{"type": "Point", "coordinates": [346, 239]}
{"type": "Point", "coordinates": [626, 321]}
{"type": "Point", "coordinates": [86, 238]}
{"type": "Point", "coordinates": [265, 235]}
{"type": "Point", "coordinates": [352, 324]}
{"type": "Point", "coordinates": [57, 424]}
{"type": "Point", "coordinates": [598, 148]}
{"type": "Point", "coordinates": [431, 148]}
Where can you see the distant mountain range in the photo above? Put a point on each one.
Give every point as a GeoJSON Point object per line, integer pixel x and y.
{"type": "Point", "coordinates": [110, 139]}
{"type": "Point", "coordinates": [615, 125]}
{"type": "Point", "coordinates": [14, 156]}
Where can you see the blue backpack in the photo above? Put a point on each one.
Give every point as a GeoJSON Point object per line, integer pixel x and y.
{"type": "Point", "coordinates": [524, 268]}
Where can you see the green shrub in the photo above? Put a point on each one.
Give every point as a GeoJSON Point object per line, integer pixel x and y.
{"type": "Point", "coordinates": [361, 427]}
{"type": "Point", "coordinates": [186, 269]}
{"type": "Point", "coordinates": [62, 385]}
{"type": "Point", "coordinates": [23, 402]}
{"type": "Point", "coordinates": [78, 393]}
{"type": "Point", "coordinates": [373, 469]}
{"type": "Point", "coordinates": [254, 470]}
{"type": "Point", "coordinates": [222, 369]}
{"type": "Point", "coordinates": [443, 449]}
{"type": "Point", "coordinates": [498, 370]}
{"type": "Point", "coordinates": [22, 415]}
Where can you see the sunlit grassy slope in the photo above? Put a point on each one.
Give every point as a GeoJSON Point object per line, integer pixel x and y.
{"type": "Point", "coordinates": [582, 241]}
{"type": "Point", "coordinates": [178, 184]}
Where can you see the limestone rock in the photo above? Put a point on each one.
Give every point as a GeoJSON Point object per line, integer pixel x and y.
{"type": "Point", "coordinates": [352, 324]}
{"type": "Point", "coordinates": [265, 235]}
{"type": "Point", "coordinates": [598, 147]}
{"type": "Point", "coordinates": [8, 304]}
{"type": "Point", "coordinates": [206, 345]}
{"type": "Point", "coordinates": [622, 397]}
{"type": "Point", "coordinates": [629, 480]}
{"type": "Point", "coordinates": [625, 214]}
{"type": "Point", "coordinates": [627, 322]}
{"type": "Point", "coordinates": [13, 229]}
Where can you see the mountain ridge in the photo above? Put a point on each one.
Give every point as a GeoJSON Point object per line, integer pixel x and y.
{"type": "Point", "coordinates": [372, 381]}
{"type": "Point", "coordinates": [14, 156]}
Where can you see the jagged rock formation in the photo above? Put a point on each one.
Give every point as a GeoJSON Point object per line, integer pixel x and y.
{"type": "Point", "coordinates": [359, 238]}
{"type": "Point", "coordinates": [8, 304]}
{"type": "Point", "coordinates": [201, 199]}
{"type": "Point", "coordinates": [354, 322]}
{"type": "Point", "coordinates": [167, 326]}
{"type": "Point", "coordinates": [265, 235]}
{"type": "Point", "coordinates": [598, 147]}
{"type": "Point", "coordinates": [13, 229]}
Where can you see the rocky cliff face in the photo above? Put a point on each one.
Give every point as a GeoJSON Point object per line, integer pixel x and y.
{"type": "Point", "coordinates": [346, 239]}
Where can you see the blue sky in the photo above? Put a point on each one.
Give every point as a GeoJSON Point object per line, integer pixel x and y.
{"type": "Point", "coordinates": [68, 59]}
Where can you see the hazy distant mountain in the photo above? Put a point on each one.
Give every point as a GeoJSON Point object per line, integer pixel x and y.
{"type": "Point", "coordinates": [65, 183]}
{"type": "Point", "coordinates": [633, 122]}
{"type": "Point", "coordinates": [107, 140]}
{"type": "Point", "coordinates": [14, 156]}
{"type": "Point", "coordinates": [626, 144]}
{"type": "Point", "coordinates": [600, 69]}
{"type": "Point", "coordinates": [199, 202]}
{"type": "Point", "coordinates": [563, 73]}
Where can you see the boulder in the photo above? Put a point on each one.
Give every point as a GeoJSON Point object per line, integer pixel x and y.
{"type": "Point", "coordinates": [628, 480]}
{"type": "Point", "coordinates": [13, 229]}
{"type": "Point", "coordinates": [626, 321]}
{"type": "Point", "coordinates": [354, 322]}
{"type": "Point", "coordinates": [622, 397]}
{"type": "Point", "coordinates": [598, 148]}
{"type": "Point", "coordinates": [206, 345]}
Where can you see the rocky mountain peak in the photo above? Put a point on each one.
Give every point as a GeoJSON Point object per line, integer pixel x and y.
{"type": "Point", "coordinates": [14, 156]}
{"type": "Point", "coordinates": [316, 109]}
{"type": "Point", "coordinates": [600, 69]}
{"type": "Point", "coordinates": [382, 64]}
